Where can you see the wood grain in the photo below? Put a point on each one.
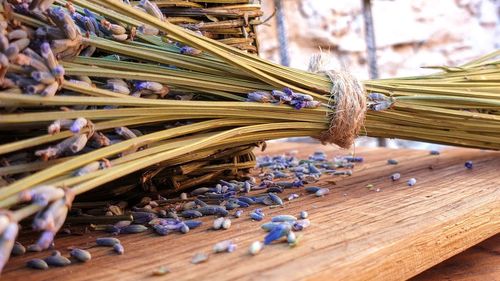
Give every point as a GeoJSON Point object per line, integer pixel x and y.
{"type": "Point", "coordinates": [481, 262]}
{"type": "Point", "coordinates": [356, 233]}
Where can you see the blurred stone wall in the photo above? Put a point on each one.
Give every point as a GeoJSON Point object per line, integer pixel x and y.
{"type": "Point", "coordinates": [408, 33]}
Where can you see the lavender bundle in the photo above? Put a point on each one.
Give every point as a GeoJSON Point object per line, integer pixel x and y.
{"type": "Point", "coordinates": [111, 99]}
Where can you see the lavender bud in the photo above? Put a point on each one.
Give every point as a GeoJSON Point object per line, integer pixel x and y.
{"type": "Point", "coordinates": [322, 192]}
{"type": "Point", "coordinates": [199, 258]}
{"type": "Point", "coordinates": [412, 182]}
{"type": "Point", "coordinates": [37, 264]}
{"type": "Point", "coordinates": [284, 218]}
{"type": "Point", "coordinates": [395, 176]}
{"type": "Point", "coordinates": [255, 247]}
{"type": "Point", "coordinates": [57, 260]}
{"type": "Point", "coordinates": [80, 255]}
{"type": "Point", "coordinates": [107, 241]}
{"type": "Point", "coordinates": [222, 246]}
{"type": "Point", "coordinates": [7, 238]}
{"type": "Point", "coordinates": [118, 248]}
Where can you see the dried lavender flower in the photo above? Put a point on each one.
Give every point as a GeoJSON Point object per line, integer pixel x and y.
{"type": "Point", "coordinates": [284, 218]}
{"type": "Point", "coordinates": [312, 189]}
{"type": "Point", "coordinates": [412, 182]}
{"type": "Point", "coordinates": [118, 248]}
{"type": "Point", "coordinates": [193, 224]}
{"type": "Point", "coordinates": [199, 258]}
{"type": "Point", "coordinates": [80, 255]}
{"type": "Point", "coordinates": [133, 228]}
{"type": "Point", "coordinates": [322, 192]}
{"type": "Point", "coordinates": [107, 241]}
{"type": "Point", "coordinates": [37, 264]}
{"type": "Point", "coordinates": [395, 176]}
{"type": "Point", "coordinates": [469, 165]}
{"type": "Point", "coordinates": [162, 270]}
{"type": "Point", "coordinates": [78, 125]}
{"type": "Point", "coordinates": [304, 214]}
{"type": "Point", "coordinates": [18, 249]}
{"type": "Point", "coordinates": [276, 199]}
{"type": "Point", "coordinates": [222, 246]}
{"type": "Point", "coordinates": [291, 238]}
{"type": "Point", "coordinates": [238, 213]}
{"type": "Point", "coordinates": [218, 223]}
{"type": "Point", "coordinates": [392, 162]}
{"type": "Point", "coordinates": [57, 260]}
{"type": "Point", "coordinates": [256, 216]}
{"type": "Point", "coordinates": [276, 233]}
{"type": "Point", "coordinates": [255, 247]}
{"type": "Point", "coordinates": [226, 224]}
{"type": "Point", "coordinates": [7, 238]}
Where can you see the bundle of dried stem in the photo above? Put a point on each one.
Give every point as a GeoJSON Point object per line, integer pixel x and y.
{"type": "Point", "coordinates": [92, 96]}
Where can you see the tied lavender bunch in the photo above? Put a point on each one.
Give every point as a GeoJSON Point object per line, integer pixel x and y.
{"type": "Point", "coordinates": [287, 96]}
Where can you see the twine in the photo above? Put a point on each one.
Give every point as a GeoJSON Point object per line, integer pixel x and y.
{"type": "Point", "coordinates": [348, 104]}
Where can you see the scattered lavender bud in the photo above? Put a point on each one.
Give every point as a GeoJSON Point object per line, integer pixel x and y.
{"type": "Point", "coordinates": [434, 152]}
{"type": "Point", "coordinates": [256, 216]}
{"type": "Point", "coordinates": [184, 228]}
{"type": "Point", "coordinates": [276, 233]}
{"type": "Point", "coordinates": [107, 241]}
{"type": "Point", "coordinates": [193, 224]}
{"type": "Point", "coordinates": [191, 214]}
{"type": "Point", "coordinates": [162, 270]}
{"type": "Point", "coordinates": [468, 165]}
{"type": "Point", "coordinates": [312, 189]}
{"type": "Point", "coordinates": [238, 213]}
{"type": "Point", "coordinates": [18, 249]}
{"type": "Point", "coordinates": [301, 224]}
{"type": "Point", "coordinates": [57, 260]}
{"type": "Point", "coordinates": [412, 182]}
{"type": "Point", "coordinates": [161, 230]}
{"type": "Point", "coordinates": [353, 159]}
{"type": "Point", "coordinates": [213, 210]}
{"type": "Point", "coordinates": [133, 228]}
{"type": "Point", "coordinates": [231, 248]}
{"type": "Point", "coordinates": [255, 247]}
{"type": "Point", "coordinates": [322, 192]}
{"type": "Point", "coordinates": [292, 196]}
{"type": "Point", "coordinates": [226, 224]}
{"type": "Point", "coordinates": [268, 226]}
{"type": "Point", "coordinates": [81, 255]}
{"type": "Point", "coordinates": [118, 248]}
{"type": "Point", "coordinates": [276, 199]}
{"type": "Point", "coordinates": [304, 214]}
{"type": "Point", "coordinates": [224, 246]}
{"type": "Point", "coordinates": [284, 218]}
{"type": "Point", "coordinates": [392, 162]}
{"type": "Point", "coordinates": [218, 223]}
{"type": "Point", "coordinates": [291, 238]}
{"type": "Point", "coordinates": [395, 176]}
{"type": "Point", "coordinates": [37, 264]}
{"type": "Point", "coordinates": [199, 258]}
{"type": "Point", "coordinates": [34, 248]}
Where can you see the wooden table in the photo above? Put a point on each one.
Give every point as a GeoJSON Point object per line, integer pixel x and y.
{"type": "Point", "coordinates": [357, 233]}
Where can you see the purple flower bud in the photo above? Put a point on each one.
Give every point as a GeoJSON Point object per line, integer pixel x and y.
{"type": "Point", "coordinates": [288, 91]}
{"type": "Point", "coordinates": [45, 239]}
{"type": "Point", "coordinates": [276, 233]}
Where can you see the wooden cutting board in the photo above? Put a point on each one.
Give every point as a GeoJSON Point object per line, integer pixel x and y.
{"type": "Point", "coordinates": [388, 232]}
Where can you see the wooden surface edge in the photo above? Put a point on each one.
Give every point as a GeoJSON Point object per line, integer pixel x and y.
{"type": "Point", "coordinates": [399, 266]}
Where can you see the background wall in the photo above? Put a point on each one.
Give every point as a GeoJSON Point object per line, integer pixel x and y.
{"type": "Point", "coordinates": [408, 33]}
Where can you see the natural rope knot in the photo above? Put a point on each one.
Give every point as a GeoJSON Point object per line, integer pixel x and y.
{"type": "Point", "coordinates": [347, 103]}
